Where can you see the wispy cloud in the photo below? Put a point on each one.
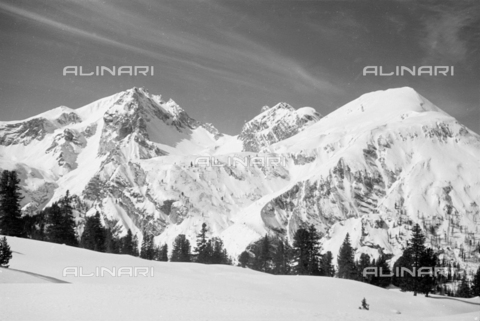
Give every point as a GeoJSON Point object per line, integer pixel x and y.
{"type": "Point", "coordinates": [444, 39]}
{"type": "Point", "coordinates": [219, 53]}
{"type": "Point", "coordinates": [98, 38]}
{"type": "Point", "coordinates": [66, 28]}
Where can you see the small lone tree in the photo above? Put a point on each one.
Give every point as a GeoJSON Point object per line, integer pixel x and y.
{"type": "Point", "coordinates": [365, 306]}
{"type": "Point", "coordinates": [5, 253]}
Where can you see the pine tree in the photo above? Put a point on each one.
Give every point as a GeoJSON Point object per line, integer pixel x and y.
{"type": "Point", "coordinates": [208, 252]}
{"type": "Point", "coordinates": [204, 253]}
{"type": "Point", "coordinates": [68, 222]}
{"type": "Point", "coordinates": [148, 248]}
{"type": "Point", "coordinates": [265, 256]}
{"type": "Point", "coordinates": [405, 280]}
{"type": "Point", "coordinates": [282, 258]}
{"type": "Point", "coordinates": [427, 281]}
{"type": "Point", "coordinates": [313, 251]}
{"type": "Point", "coordinates": [163, 256]}
{"type": "Point", "coordinates": [181, 249]}
{"type": "Point", "coordinates": [326, 267]}
{"type": "Point", "coordinates": [151, 247]}
{"type": "Point", "coordinates": [11, 222]}
{"type": "Point", "coordinates": [59, 228]}
{"type": "Point", "coordinates": [253, 250]}
{"type": "Point", "coordinates": [414, 257]}
{"type": "Point", "coordinates": [34, 226]}
{"type": "Point", "coordinates": [306, 249]}
{"type": "Point", "coordinates": [31, 226]}
{"type": "Point", "coordinates": [441, 278]}
{"type": "Point", "coordinates": [219, 253]}
{"type": "Point", "coordinates": [93, 237]}
{"type": "Point", "coordinates": [243, 259]}
{"type": "Point", "coordinates": [383, 269]}
{"type": "Point", "coordinates": [301, 251]}
{"type": "Point", "coordinates": [346, 262]}
{"type": "Point", "coordinates": [476, 283]}
{"type": "Point", "coordinates": [5, 253]}
{"type": "Point", "coordinates": [361, 265]}
{"type": "Point", "coordinates": [464, 290]}
{"type": "Point", "coordinates": [126, 246]}
{"type": "Point", "coordinates": [156, 253]}
{"type": "Point", "coordinates": [144, 246]}
{"type": "Point", "coordinates": [112, 240]}
{"type": "Point", "coordinates": [288, 256]}
{"type": "Point", "coordinates": [135, 246]}
{"type": "Point", "coordinates": [60, 222]}
{"type": "Point", "coordinates": [417, 246]}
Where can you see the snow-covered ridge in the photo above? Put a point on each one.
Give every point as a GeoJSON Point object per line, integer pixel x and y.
{"type": "Point", "coordinates": [371, 168]}
{"type": "Point", "coordinates": [276, 124]}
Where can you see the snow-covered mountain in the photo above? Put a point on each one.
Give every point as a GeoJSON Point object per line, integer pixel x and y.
{"type": "Point", "coordinates": [276, 124]}
{"type": "Point", "coordinates": [371, 168]}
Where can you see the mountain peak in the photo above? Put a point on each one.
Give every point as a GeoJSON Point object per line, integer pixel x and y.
{"type": "Point", "coordinates": [403, 99]}
{"type": "Point", "coordinates": [381, 107]}
{"type": "Point", "coordinates": [275, 124]}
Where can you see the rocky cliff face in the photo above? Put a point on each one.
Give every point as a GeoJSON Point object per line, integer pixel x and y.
{"type": "Point", "coordinates": [275, 124]}
{"type": "Point", "coordinates": [372, 168]}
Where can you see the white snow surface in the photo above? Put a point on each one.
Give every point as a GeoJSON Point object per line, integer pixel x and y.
{"type": "Point", "coordinates": [34, 288]}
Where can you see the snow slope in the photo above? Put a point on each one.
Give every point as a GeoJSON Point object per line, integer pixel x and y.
{"type": "Point", "coordinates": [188, 291]}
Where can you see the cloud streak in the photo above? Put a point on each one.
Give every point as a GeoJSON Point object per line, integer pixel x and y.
{"type": "Point", "coordinates": [185, 49]}
{"type": "Point", "coordinates": [444, 40]}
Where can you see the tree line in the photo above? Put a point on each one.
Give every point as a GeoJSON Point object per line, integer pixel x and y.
{"type": "Point", "coordinates": [416, 256]}
{"type": "Point", "coordinates": [56, 223]}
{"type": "Point", "coordinates": [304, 257]}
{"type": "Point", "coordinates": [274, 255]}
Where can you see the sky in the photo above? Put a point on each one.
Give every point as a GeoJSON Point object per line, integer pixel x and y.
{"type": "Point", "coordinates": [222, 61]}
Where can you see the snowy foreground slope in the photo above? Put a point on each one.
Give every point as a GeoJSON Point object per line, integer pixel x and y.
{"type": "Point", "coordinates": [372, 168]}
{"type": "Point", "coordinates": [188, 291]}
